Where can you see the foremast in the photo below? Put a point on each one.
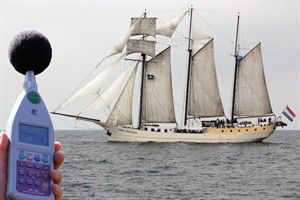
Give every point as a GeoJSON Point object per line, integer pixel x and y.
{"type": "Point", "coordinates": [189, 67]}
{"type": "Point", "coordinates": [140, 122]}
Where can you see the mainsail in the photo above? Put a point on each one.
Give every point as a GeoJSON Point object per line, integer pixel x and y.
{"type": "Point", "coordinates": [251, 94]}
{"type": "Point", "coordinates": [204, 98]}
{"type": "Point", "coordinates": [157, 92]}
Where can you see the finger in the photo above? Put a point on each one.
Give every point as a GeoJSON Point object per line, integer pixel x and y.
{"type": "Point", "coordinates": [4, 142]}
{"type": "Point", "coordinates": [59, 158]}
{"type": "Point", "coordinates": [57, 146]}
{"type": "Point", "coordinates": [57, 191]}
{"type": "Point", "coordinates": [56, 176]}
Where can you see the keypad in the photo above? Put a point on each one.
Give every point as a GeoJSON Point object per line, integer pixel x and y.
{"type": "Point", "coordinates": [33, 173]}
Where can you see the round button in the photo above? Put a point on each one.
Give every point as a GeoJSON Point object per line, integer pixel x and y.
{"type": "Point", "coordinates": [45, 159]}
{"type": "Point", "coordinates": [29, 157]}
{"type": "Point", "coordinates": [21, 156]}
{"type": "Point", "coordinates": [37, 158]}
{"type": "Point", "coordinates": [45, 185]}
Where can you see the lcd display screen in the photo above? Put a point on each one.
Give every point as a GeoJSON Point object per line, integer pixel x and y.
{"type": "Point", "coordinates": [33, 135]}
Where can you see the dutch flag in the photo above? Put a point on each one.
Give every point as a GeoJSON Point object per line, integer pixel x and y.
{"type": "Point", "coordinates": [288, 113]}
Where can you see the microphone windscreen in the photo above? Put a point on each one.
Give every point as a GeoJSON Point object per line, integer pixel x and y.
{"type": "Point", "coordinates": [30, 50]}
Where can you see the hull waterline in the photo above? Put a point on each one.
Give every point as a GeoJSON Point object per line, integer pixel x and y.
{"type": "Point", "coordinates": [214, 135]}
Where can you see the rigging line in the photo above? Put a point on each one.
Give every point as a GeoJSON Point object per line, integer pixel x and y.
{"type": "Point", "coordinates": [65, 121]}
{"type": "Point", "coordinates": [216, 12]}
{"type": "Point", "coordinates": [166, 11]}
{"type": "Point", "coordinates": [227, 99]}
{"type": "Point", "coordinates": [81, 84]}
{"type": "Point", "coordinates": [90, 128]}
{"type": "Point", "coordinates": [76, 89]}
{"type": "Point", "coordinates": [224, 36]}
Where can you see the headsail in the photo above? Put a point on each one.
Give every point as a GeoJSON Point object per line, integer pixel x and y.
{"type": "Point", "coordinates": [122, 111]}
{"type": "Point", "coordinates": [93, 87]}
{"type": "Point", "coordinates": [158, 103]}
{"type": "Point", "coordinates": [105, 99]}
{"type": "Point", "coordinates": [251, 97]}
{"type": "Point", "coordinates": [204, 98]}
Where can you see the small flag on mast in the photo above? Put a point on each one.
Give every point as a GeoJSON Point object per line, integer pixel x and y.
{"type": "Point", "coordinates": [288, 113]}
{"type": "Point", "coordinates": [150, 76]}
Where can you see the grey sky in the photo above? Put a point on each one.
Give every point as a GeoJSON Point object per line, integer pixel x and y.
{"type": "Point", "coordinates": [81, 32]}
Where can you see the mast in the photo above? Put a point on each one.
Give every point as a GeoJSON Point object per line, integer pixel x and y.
{"type": "Point", "coordinates": [236, 67]}
{"type": "Point", "coordinates": [189, 67]}
{"type": "Point", "coordinates": [142, 84]}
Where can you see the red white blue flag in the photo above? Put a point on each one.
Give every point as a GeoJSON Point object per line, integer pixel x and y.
{"type": "Point", "coordinates": [288, 113]}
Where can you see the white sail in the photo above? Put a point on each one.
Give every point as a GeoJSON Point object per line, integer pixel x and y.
{"type": "Point", "coordinates": [141, 46]}
{"type": "Point", "coordinates": [104, 100]}
{"type": "Point", "coordinates": [251, 96]}
{"type": "Point", "coordinates": [168, 29]}
{"type": "Point", "coordinates": [144, 26]}
{"type": "Point", "coordinates": [122, 111]}
{"type": "Point", "coordinates": [199, 34]}
{"type": "Point", "coordinates": [158, 103]}
{"type": "Point", "coordinates": [94, 86]}
{"type": "Point", "coordinates": [119, 46]}
{"type": "Point", "coordinates": [204, 98]}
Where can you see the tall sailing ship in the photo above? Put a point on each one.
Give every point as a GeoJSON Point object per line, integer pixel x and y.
{"type": "Point", "coordinates": [148, 73]}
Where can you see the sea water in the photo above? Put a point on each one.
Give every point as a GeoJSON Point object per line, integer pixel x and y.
{"type": "Point", "coordinates": [97, 169]}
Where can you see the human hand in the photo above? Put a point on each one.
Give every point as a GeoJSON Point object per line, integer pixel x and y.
{"type": "Point", "coordinates": [55, 174]}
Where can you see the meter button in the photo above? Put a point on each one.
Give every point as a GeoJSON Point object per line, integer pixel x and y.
{"type": "Point", "coordinates": [29, 182]}
{"type": "Point", "coordinates": [37, 166]}
{"type": "Point", "coordinates": [21, 172]}
{"type": "Point", "coordinates": [29, 165]}
{"type": "Point", "coordinates": [45, 185]}
{"type": "Point", "coordinates": [45, 176]}
{"type": "Point", "coordinates": [37, 158]}
{"type": "Point", "coordinates": [37, 183]}
{"type": "Point", "coordinates": [21, 181]}
{"type": "Point", "coordinates": [37, 175]}
{"type": "Point", "coordinates": [21, 156]}
{"type": "Point", "coordinates": [46, 168]}
{"type": "Point", "coordinates": [29, 157]}
{"type": "Point", "coordinates": [21, 164]}
{"type": "Point", "coordinates": [45, 159]}
{"type": "Point", "coordinates": [29, 174]}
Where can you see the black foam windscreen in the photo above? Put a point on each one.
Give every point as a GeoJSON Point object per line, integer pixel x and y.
{"type": "Point", "coordinates": [30, 50]}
